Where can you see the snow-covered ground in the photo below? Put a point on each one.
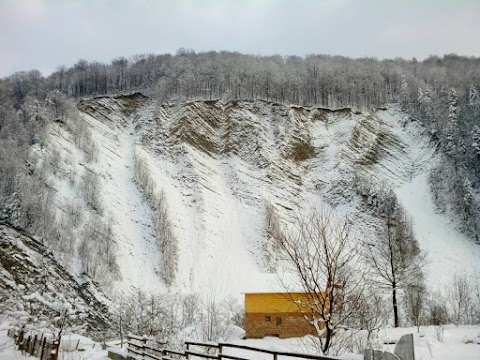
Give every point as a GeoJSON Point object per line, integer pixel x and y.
{"type": "Point", "coordinates": [462, 342]}
{"type": "Point", "coordinates": [90, 350]}
{"type": "Point", "coordinates": [451, 343]}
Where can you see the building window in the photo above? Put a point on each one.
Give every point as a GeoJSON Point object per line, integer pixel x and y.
{"type": "Point", "coordinates": [279, 321]}
{"type": "Point", "coordinates": [267, 318]}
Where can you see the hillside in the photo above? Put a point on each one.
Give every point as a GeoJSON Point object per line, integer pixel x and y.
{"type": "Point", "coordinates": [223, 167]}
{"type": "Point", "coordinates": [34, 288]}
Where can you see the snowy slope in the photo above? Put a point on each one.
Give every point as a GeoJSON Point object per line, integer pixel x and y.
{"type": "Point", "coordinates": [221, 164]}
{"type": "Point", "coordinates": [124, 203]}
{"type": "Point", "coordinates": [449, 252]}
{"type": "Point", "coordinates": [35, 288]}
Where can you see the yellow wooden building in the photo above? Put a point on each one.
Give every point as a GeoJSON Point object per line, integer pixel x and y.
{"type": "Point", "coordinates": [277, 314]}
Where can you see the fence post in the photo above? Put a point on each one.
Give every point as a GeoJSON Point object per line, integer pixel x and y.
{"type": "Point", "coordinates": [32, 349]}
{"type": "Point", "coordinates": [26, 346]}
{"type": "Point", "coordinates": [274, 356]}
{"type": "Point", "coordinates": [186, 354]}
{"type": "Point", "coordinates": [219, 352]}
{"type": "Point", "coordinates": [36, 346]}
{"type": "Point", "coordinates": [57, 347]}
{"type": "Point", "coordinates": [20, 339]}
{"type": "Point", "coordinates": [43, 348]}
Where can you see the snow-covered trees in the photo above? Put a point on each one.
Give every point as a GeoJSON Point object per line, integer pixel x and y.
{"type": "Point", "coordinates": [451, 129]}
{"type": "Point", "coordinates": [426, 107]}
{"type": "Point", "coordinates": [97, 249]}
{"type": "Point", "coordinates": [473, 98]}
{"type": "Point", "coordinates": [404, 93]}
{"type": "Point", "coordinates": [165, 316]}
{"type": "Point", "coordinates": [166, 240]}
{"type": "Point", "coordinates": [467, 199]}
{"type": "Point", "coordinates": [38, 293]}
{"type": "Point", "coordinates": [454, 182]}
{"type": "Point", "coordinates": [270, 246]}
{"type": "Point", "coordinates": [315, 80]}
{"type": "Point", "coordinates": [476, 147]}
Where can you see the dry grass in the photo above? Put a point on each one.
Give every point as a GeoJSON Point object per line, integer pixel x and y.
{"type": "Point", "coordinates": [301, 151]}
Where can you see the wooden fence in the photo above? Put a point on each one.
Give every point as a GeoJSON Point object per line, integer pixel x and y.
{"type": "Point", "coordinates": [144, 347]}
{"type": "Point", "coordinates": [38, 346]}
{"type": "Point", "coordinates": [213, 351]}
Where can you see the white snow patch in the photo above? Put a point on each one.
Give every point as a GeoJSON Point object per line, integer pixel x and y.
{"type": "Point", "coordinates": [448, 250]}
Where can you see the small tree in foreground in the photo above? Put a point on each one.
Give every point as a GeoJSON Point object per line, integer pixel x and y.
{"type": "Point", "coordinates": [326, 265]}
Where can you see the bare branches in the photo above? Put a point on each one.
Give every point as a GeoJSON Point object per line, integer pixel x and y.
{"type": "Point", "coordinates": [459, 300]}
{"type": "Point", "coordinates": [326, 263]}
{"type": "Point", "coordinates": [91, 191]}
{"type": "Point", "coordinates": [396, 259]}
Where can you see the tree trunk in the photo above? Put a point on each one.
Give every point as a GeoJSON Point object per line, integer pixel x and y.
{"type": "Point", "coordinates": [395, 306]}
{"type": "Point", "coordinates": [328, 338]}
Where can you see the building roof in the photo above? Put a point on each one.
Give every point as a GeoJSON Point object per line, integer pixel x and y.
{"type": "Point", "coordinates": [277, 302]}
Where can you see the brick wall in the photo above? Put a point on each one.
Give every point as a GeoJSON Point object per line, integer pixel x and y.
{"type": "Point", "coordinates": [291, 325]}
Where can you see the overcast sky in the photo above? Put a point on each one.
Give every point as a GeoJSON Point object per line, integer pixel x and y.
{"type": "Point", "coordinates": [42, 34]}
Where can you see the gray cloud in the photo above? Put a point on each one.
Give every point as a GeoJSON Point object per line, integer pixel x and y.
{"type": "Point", "coordinates": [43, 34]}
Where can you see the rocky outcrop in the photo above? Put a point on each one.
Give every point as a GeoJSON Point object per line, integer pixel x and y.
{"type": "Point", "coordinates": [35, 288]}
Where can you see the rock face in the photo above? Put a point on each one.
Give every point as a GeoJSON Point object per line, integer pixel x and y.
{"type": "Point", "coordinates": [34, 286]}
{"type": "Point", "coordinates": [226, 169]}
{"type": "Point", "coordinates": [404, 348]}
{"type": "Point", "coordinates": [222, 165]}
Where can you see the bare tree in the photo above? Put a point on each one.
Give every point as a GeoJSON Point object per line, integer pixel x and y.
{"type": "Point", "coordinates": [216, 318]}
{"type": "Point", "coordinates": [436, 310]}
{"type": "Point", "coordinates": [476, 303]}
{"type": "Point", "coordinates": [458, 298]}
{"type": "Point", "coordinates": [91, 191]}
{"type": "Point", "coordinates": [416, 296]}
{"type": "Point", "coordinates": [371, 312]}
{"type": "Point", "coordinates": [396, 258]}
{"type": "Point", "coordinates": [191, 310]}
{"type": "Point", "coordinates": [326, 265]}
